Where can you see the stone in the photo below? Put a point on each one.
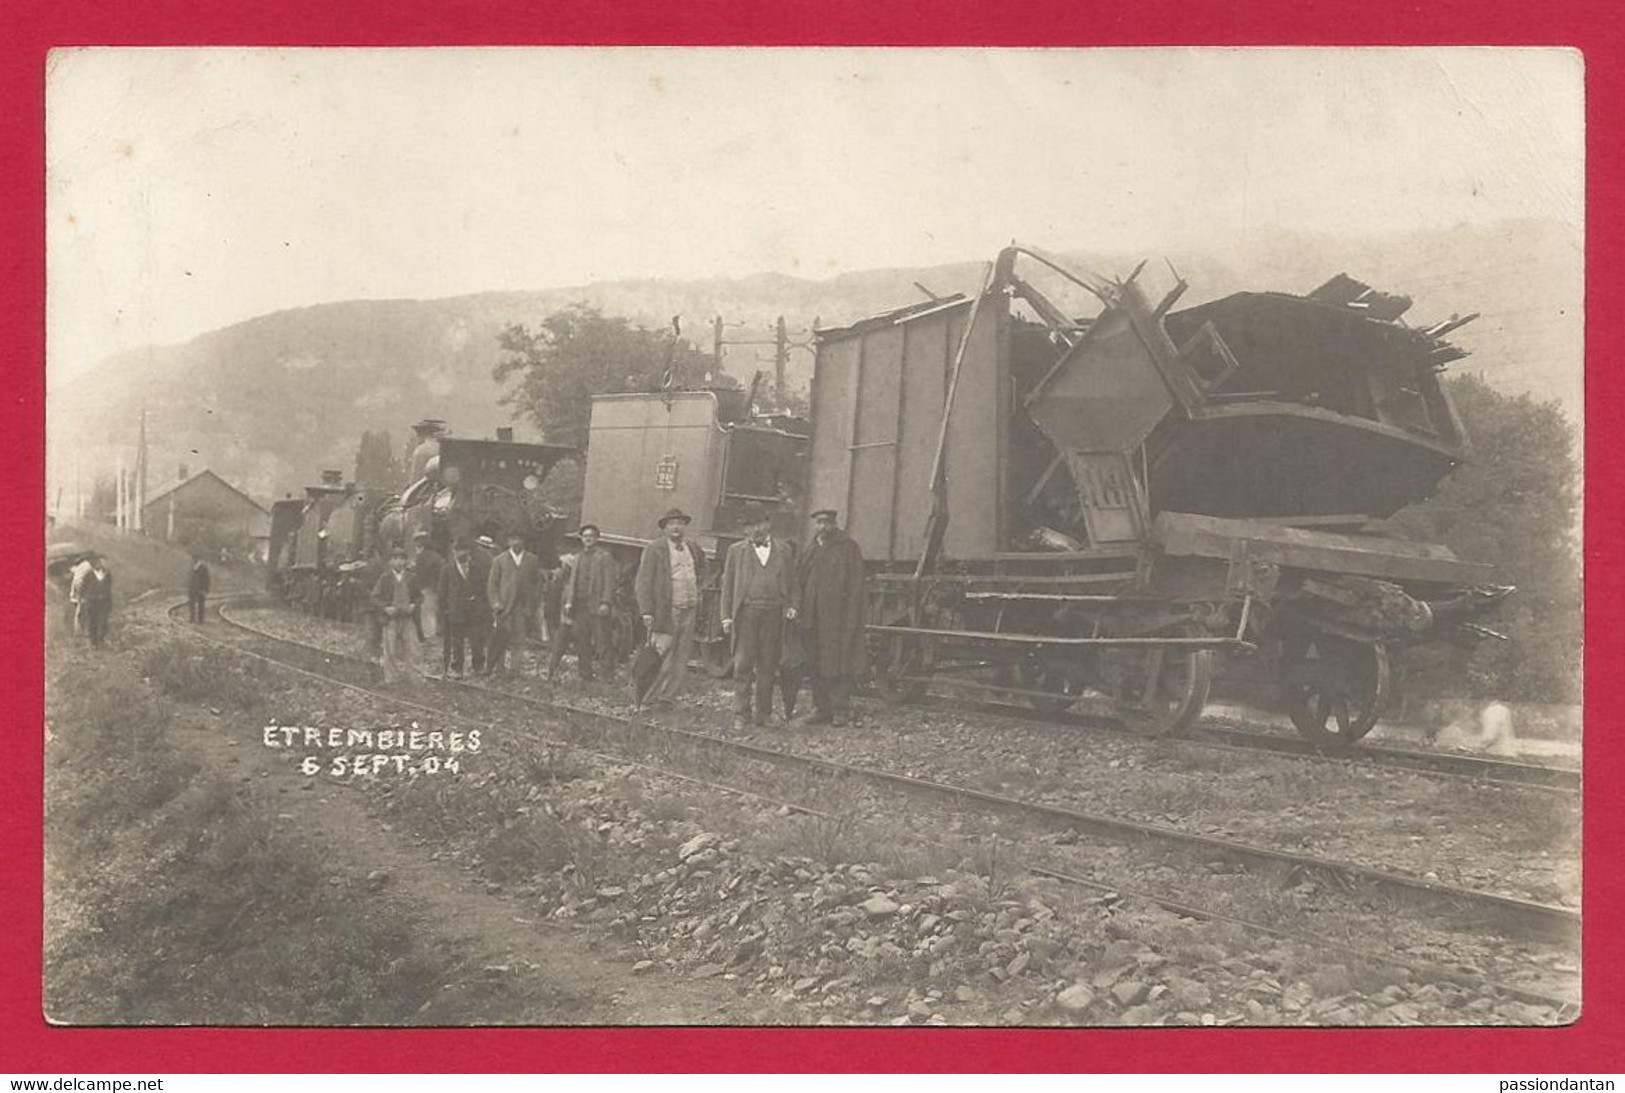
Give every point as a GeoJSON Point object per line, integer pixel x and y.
{"type": "Point", "coordinates": [642, 966]}
{"type": "Point", "coordinates": [706, 971]}
{"type": "Point", "coordinates": [703, 841]}
{"type": "Point", "coordinates": [1075, 998]}
{"type": "Point", "coordinates": [963, 993]}
{"type": "Point", "coordinates": [1130, 992]}
{"type": "Point", "coordinates": [878, 906]}
{"type": "Point", "coordinates": [806, 983]}
{"type": "Point", "coordinates": [876, 1002]}
{"type": "Point", "coordinates": [1189, 993]}
{"type": "Point", "coordinates": [1019, 964]}
{"type": "Point", "coordinates": [1296, 997]}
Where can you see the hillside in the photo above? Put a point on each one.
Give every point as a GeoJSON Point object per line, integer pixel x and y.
{"type": "Point", "coordinates": [270, 401]}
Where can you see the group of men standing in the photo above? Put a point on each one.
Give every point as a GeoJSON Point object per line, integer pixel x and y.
{"type": "Point", "coordinates": [766, 588]}
{"type": "Point", "coordinates": [477, 602]}
{"type": "Point", "coordinates": [482, 602]}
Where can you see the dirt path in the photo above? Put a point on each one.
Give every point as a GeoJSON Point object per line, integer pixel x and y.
{"type": "Point", "coordinates": [511, 968]}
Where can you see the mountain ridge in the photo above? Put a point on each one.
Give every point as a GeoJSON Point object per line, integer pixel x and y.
{"type": "Point", "coordinates": [269, 401]}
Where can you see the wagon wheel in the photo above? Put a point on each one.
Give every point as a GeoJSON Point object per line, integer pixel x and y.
{"type": "Point", "coordinates": [1171, 687]}
{"type": "Point", "coordinates": [1338, 689]}
{"type": "Point", "coordinates": [896, 661]}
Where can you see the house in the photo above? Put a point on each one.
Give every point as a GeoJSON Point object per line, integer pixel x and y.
{"type": "Point", "coordinates": [207, 515]}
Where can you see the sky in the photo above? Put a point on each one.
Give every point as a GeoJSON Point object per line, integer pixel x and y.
{"type": "Point", "coordinates": [188, 189]}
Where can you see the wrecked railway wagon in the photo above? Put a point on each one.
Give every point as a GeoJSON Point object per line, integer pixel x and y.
{"type": "Point", "coordinates": [1058, 506]}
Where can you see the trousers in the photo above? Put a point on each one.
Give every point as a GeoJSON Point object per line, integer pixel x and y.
{"type": "Point", "coordinates": [674, 667]}
{"type": "Point", "coordinates": [593, 635]}
{"type": "Point", "coordinates": [397, 658]}
{"type": "Point", "coordinates": [758, 633]}
{"type": "Point", "coordinates": [93, 618]}
{"type": "Point", "coordinates": [508, 632]}
{"type": "Point", "coordinates": [455, 636]}
{"type": "Point", "coordinates": [195, 606]}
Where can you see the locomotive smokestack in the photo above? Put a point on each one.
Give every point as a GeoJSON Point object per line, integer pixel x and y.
{"type": "Point", "coordinates": [332, 478]}
{"type": "Point", "coordinates": [182, 473]}
{"type": "Point", "coordinates": [505, 432]}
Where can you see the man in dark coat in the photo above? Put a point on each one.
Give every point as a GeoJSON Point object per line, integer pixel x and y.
{"type": "Point", "coordinates": [832, 602]}
{"type": "Point", "coordinates": [670, 574]}
{"type": "Point", "coordinates": [589, 598]}
{"type": "Point", "coordinates": [197, 589]}
{"type": "Point", "coordinates": [465, 613]}
{"type": "Point", "coordinates": [96, 600]}
{"type": "Point", "coordinates": [758, 596]}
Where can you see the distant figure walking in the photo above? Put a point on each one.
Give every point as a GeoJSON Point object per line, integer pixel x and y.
{"type": "Point", "coordinates": [96, 601]}
{"type": "Point", "coordinates": [197, 589]}
{"type": "Point", "coordinates": [395, 597]}
{"type": "Point", "coordinates": [668, 591]}
{"type": "Point", "coordinates": [832, 602]}
{"type": "Point", "coordinates": [76, 588]}
{"type": "Point", "coordinates": [588, 599]}
{"type": "Point", "coordinates": [511, 590]}
{"type": "Point", "coordinates": [758, 596]}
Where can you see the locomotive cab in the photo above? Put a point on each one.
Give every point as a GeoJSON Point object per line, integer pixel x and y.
{"type": "Point", "coordinates": [704, 452]}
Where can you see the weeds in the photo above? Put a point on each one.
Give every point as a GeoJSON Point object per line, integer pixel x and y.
{"type": "Point", "coordinates": [209, 677]}
{"type": "Point", "coordinates": [173, 897]}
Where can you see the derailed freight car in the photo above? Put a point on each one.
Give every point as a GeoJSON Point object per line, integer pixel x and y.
{"type": "Point", "coordinates": [1106, 504]}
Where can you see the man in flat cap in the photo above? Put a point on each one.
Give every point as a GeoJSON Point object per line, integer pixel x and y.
{"type": "Point", "coordinates": [589, 592]}
{"type": "Point", "coordinates": [758, 596]}
{"type": "Point", "coordinates": [832, 598]}
{"type": "Point", "coordinates": [668, 591]}
{"type": "Point", "coordinates": [396, 596]}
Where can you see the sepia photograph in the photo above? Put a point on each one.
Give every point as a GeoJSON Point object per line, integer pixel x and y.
{"type": "Point", "coordinates": [674, 536]}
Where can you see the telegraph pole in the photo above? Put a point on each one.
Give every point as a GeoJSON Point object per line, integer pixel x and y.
{"type": "Point", "coordinates": [141, 474]}
{"type": "Point", "coordinates": [781, 344]}
{"type": "Point", "coordinates": [781, 357]}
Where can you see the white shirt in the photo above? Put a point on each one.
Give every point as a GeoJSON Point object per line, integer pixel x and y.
{"type": "Point", "coordinates": [764, 550]}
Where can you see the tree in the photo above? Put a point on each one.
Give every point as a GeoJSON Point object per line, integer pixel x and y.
{"type": "Point", "coordinates": [1513, 504]}
{"type": "Point", "coordinates": [375, 464]}
{"type": "Point", "coordinates": [554, 371]}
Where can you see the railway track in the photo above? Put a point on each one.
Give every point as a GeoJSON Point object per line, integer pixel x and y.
{"type": "Point", "coordinates": [1476, 769]}
{"type": "Point", "coordinates": [1564, 1004]}
{"type": "Point", "coordinates": [1487, 911]}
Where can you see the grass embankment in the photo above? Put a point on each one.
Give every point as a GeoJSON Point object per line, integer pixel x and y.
{"type": "Point", "coordinates": [171, 897]}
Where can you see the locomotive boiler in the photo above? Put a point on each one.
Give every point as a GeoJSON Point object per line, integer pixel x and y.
{"type": "Point", "coordinates": [1059, 507]}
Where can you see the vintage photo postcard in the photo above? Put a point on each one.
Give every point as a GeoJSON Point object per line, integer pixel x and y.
{"type": "Point", "coordinates": [587, 536]}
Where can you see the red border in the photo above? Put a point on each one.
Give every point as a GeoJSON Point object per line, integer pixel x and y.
{"type": "Point", "coordinates": [34, 26]}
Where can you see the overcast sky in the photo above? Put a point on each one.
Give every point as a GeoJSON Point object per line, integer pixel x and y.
{"type": "Point", "coordinates": [189, 189]}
